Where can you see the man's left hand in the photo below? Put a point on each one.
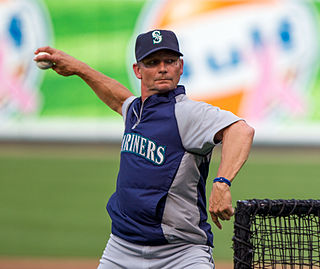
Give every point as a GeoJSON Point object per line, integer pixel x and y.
{"type": "Point", "coordinates": [220, 203]}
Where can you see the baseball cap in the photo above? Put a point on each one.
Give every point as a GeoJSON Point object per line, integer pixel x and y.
{"type": "Point", "coordinates": [155, 40]}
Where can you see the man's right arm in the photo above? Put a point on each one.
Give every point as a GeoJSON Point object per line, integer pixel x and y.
{"type": "Point", "coordinates": [110, 91]}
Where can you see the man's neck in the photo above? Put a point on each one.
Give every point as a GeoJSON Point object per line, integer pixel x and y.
{"type": "Point", "coordinates": [146, 94]}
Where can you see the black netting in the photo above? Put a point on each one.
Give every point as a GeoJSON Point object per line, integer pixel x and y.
{"type": "Point", "coordinates": [277, 234]}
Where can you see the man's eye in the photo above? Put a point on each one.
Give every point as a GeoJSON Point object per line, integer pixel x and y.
{"type": "Point", "coordinates": [171, 61]}
{"type": "Point", "coordinates": [152, 63]}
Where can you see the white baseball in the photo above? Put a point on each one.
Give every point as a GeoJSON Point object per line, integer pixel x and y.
{"type": "Point", "coordinates": [44, 64]}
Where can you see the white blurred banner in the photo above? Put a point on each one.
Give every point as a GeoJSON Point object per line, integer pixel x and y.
{"type": "Point", "coordinates": [258, 59]}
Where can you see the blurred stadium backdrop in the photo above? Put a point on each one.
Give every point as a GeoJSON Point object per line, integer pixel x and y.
{"type": "Point", "coordinates": [258, 59]}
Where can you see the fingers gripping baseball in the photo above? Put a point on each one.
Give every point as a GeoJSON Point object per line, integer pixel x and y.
{"type": "Point", "coordinates": [63, 63]}
{"type": "Point", "coordinates": [220, 203]}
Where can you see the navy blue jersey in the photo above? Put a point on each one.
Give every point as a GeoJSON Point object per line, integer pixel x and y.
{"type": "Point", "coordinates": [165, 156]}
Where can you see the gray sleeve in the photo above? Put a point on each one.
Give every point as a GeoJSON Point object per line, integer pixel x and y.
{"type": "Point", "coordinates": [198, 123]}
{"type": "Point", "coordinates": [126, 105]}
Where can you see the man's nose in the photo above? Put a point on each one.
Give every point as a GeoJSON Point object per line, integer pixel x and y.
{"type": "Point", "coordinates": [162, 67]}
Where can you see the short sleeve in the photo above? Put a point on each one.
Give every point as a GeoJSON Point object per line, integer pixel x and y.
{"type": "Point", "coordinates": [126, 105]}
{"type": "Point", "coordinates": [198, 123]}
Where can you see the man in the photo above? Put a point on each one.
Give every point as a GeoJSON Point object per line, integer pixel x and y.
{"type": "Point", "coordinates": [158, 211]}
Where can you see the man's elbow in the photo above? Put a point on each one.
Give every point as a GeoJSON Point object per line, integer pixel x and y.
{"type": "Point", "coordinates": [239, 130]}
{"type": "Point", "coordinates": [245, 130]}
{"type": "Point", "coordinates": [249, 132]}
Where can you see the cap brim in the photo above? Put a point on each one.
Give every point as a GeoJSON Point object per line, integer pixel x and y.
{"type": "Point", "coordinates": [157, 49]}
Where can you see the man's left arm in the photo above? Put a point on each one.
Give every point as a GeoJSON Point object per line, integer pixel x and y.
{"type": "Point", "coordinates": [236, 143]}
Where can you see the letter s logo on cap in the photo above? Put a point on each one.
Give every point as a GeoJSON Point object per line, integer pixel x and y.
{"type": "Point", "coordinates": [157, 37]}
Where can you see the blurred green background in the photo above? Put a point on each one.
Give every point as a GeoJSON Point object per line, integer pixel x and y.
{"type": "Point", "coordinates": [96, 32]}
{"type": "Point", "coordinates": [53, 197]}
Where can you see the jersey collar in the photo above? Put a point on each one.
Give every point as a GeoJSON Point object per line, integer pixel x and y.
{"type": "Point", "coordinates": [166, 97]}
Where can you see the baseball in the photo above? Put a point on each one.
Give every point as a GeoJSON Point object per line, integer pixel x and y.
{"type": "Point", "coordinates": [44, 64]}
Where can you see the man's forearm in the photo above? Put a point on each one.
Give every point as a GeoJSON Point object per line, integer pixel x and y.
{"type": "Point", "coordinates": [110, 91]}
{"type": "Point", "coordinates": [236, 144]}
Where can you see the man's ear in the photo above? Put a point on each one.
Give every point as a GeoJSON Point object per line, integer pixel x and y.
{"type": "Point", "coordinates": [181, 67]}
{"type": "Point", "coordinates": [136, 70]}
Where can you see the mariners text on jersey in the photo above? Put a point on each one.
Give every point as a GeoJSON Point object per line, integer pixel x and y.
{"type": "Point", "coordinates": [143, 147]}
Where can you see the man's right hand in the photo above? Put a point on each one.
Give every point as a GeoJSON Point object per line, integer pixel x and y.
{"type": "Point", "coordinates": [63, 63]}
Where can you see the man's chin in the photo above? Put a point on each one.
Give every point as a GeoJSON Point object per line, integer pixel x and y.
{"type": "Point", "coordinates": [163, 87]}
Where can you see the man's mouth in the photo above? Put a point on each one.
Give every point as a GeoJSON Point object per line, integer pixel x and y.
{"type": "Point", "coordinates": [163, 79]}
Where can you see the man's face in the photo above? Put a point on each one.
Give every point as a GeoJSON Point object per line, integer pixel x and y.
{"type": "Point", "coordinates": [159, 72]}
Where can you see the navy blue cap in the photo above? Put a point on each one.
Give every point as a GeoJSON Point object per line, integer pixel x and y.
{"type": "Point", "coordinates": [155, 40]}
